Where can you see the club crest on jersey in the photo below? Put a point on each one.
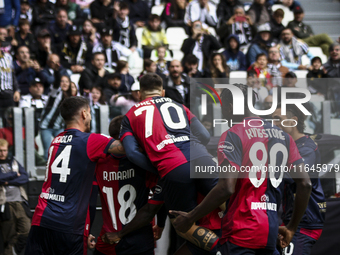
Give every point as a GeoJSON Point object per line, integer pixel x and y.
{"type": "Point", "coordinates": [264, 198]}
{"type": "Point", "coordinates": [225, 146]}
{"type": "Point", "coordinates": [158, 189]}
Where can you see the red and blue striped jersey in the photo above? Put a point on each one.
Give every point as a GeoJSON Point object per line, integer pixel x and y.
{"type": "Point", "coordinates": [64, 200]}
{"type": "Point", "coordinates": [251, 220]}
{"type": "Point", "coordinates": [161, 127]}
{"type": "Point", "coordinates": [124, 189]}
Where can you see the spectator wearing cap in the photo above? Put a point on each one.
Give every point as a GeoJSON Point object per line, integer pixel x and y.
{"type": "Point", "coordinates": [259, 12]}
{"type": "Point", "coordinates": [225, 10]}
{"type": "Point", "coordinates": [75, 14]}
{"type": "Point", "coordinates": [75, 53]}
{"type": "Point", "coordinates": [201, 44]}
{"type": "Point", "coordinates": [59, 28]}
{"type": "Point", "coordinates": [235, 58]}
{"type": "Point", "coordinates": [276, 69]}
{"type": "Point", "coordinates": [26, 12]}
{"type": "Point", "coordinates": [47, 74]}
{"type": "Point", "coordinates": [94, 75]}
{"type": "Point", "coordinates": [114, 81]}
{"type": "Point", "coordinates": [44, 47]}
{"type": "Point", "coordinates": [202, 10]}
{"type": "Point", "coordinates": [139, 12]}
{"type": "Point", "coordinates": [126, 101]}
{"type": "Point", "coordinates": [292, 49]}
{"type": "Point", "coordinates": [9, 15]}
{"type": "Point", "coordinates": [305, 32]}
{"type": "Point", "coordinates": [153, 35]}
{"type": "Point", "coordinates": [276, 23]}
{"type": "Point", "coordinates": [24, 37]}
{"type": "Point", "coordinates": [239, 24]}
{"type": "Point", "coordinates": [101, 10]}
{"type": "Point", "coordinates": [262, 42]}
{"type": "Point", "coordinates": [26, 69]}
{"type": "Point", "coordinates": [43, 13]}
{"type": "Point", "coordinates": [291, 4]}
{"type": "Point", "coordinates": [112, 50]}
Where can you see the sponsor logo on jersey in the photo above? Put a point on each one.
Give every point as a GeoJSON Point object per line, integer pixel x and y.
{"type": "Point", "coordinates": [172, 139]}
{"type": "Point", "coordinates": [264, 204]}
{"type": "Point", "coordinates": [49, 195]}
{"type": "Point", "coordinates": [225, 146]}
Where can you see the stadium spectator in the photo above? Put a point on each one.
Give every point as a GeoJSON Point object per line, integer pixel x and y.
{"type": "Point", "coordinates": [202, 10]}
{"type": "Point", "coordinates": [259, 12]}
{"type": "Point", "coordinates": [97, 98]}
{"type": "Point", "coordinates": [51, 121]}
{"type": "Point", "coordinates": [291, 50]}
{"type": "Point", "coordinates": [161, 63]}
{"type": "Point", "coordinates": [101, 10]}
{"type": "Point", "coordinates": [124, 31]}
{"type": "Point", "coordinates": [239, 24]}
{"type": "Point", "coordinates": [73, 90]}
{"type": "Point", "coordinates": [290, 80]}
{"type": "Point", "coordinates": [75, 54]}
{"type": "Point", "coordinates": [90, 35]}
{"type": "Point", "coordinates": [291, 4]}
{"type": "Point", "coordinates": [126, 101]}
{"type": "Point", "coordinates": [225, 10]}
{"type": "Point", "coordinates": [127, 79]}
{"type": "Point", "coordinates": [235, 58]}
{"type": "Point", "coordinates": [114, 81]}
{"type": "Point", "coordinates": [153, 35]}
{"type": "Point", "coordinates": [59, 28]}
{"type": "Point", "coordinates": [16, 227]}
{"type": "Point", "coordinates": [314, 75]}
{"type": "Point", "coordinates": [173, 14]}
{"type": "Point", "coordinates": [149, 66]}
{"type": "Point", "coordinates": [190, 67]}
{"type": "Point", "coordinates": [9, 91]}
{"type": "Point", "coordinates": [44, 47]}
{"type": "Point", "coordinates": [111, 49]}
{"type": "Point", "coordinates": [24, 37]}
{"type": "Point", "coordinates": [276, 69]}
{"type": "Point", "coordinates": [43, 13]}
{"type": "Point", "coordinates": [139, 12]}
{"type": "Point", "coordinates": [332, 66]}
{"type": "Point", "coordinates": [6, 45]}
{"type": "Point", "coordinates": [93, 76]}
{"type": "Point", "coordinates": [47, 74]}
{"type": "Point", "coordinates": [75, 14]}
{"type": "Point", "coordinates": [276, 25]}
{"type": "Point", "coordinates": [305, 32]}
{"type": "Point", "coordinates": [217, 67]}
{"type": "Point", "coordinates": [261, 70]}
{"type": "Point", "coordinates": [9, 15]}
{"type": "Point", "coordinates": [268, 102]}
{"type": "Point", "coordinates": [26, 12]}
{"type": "Point", "coordinates": [201, 44]}
{"type": "Point", "coordinates": [254, 82]}
{"type": "Point", "coordinates": [177, 84]}
{"type": "Point", "coordinates": [26, 69]}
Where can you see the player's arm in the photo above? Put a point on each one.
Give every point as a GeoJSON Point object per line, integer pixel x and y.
{"type": "Point", "coordinates": [161, 218]}
{"type": "Point", "coordinates": [134, 154]}
{"type": "Point", "coordinates": [224, 188]}
{"type": "Point", "coordinates": [199, 131]}
{"type": "Point", "coordinates": [303, 190]}
{"type": "Point", "coordinates": [116, 148]}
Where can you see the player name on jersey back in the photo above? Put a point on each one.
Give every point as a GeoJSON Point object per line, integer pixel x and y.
{"type": "Point", "coordinates": [118, 176]}
{"type": "Point", "coordinates": [265, 133]}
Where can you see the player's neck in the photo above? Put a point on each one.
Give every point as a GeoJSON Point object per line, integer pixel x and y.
{"type": "Point", "coordinates": [75, 126]}
{"type": "Point", "coordinates": [297, 135]}
{"type": "Point", "coordinates": [150, 96]}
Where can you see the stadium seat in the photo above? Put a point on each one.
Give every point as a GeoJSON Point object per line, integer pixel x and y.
{"type": "Point", "coordinates": [238, 77]}
{"type": "Point", "coordinates": [178, 55]}
{"type": "Point", "coordinates": [212, 31]}
{"type": "Point", "coordinates": [154, 56]}
{"type": "Point", "coordinates": [157, 10]}
{"type": "Point", "coordinates": [289, 15]}
{"type": "Point", "coordinates": [175, 36]}
{"type": "Point", "coordinates": [301, 77]}
{"type": "Point", "coordinates": [139, 32]}
{"type": "Point", "coordinates": [75, 78]}
{"type": "Point", "coordinates": [317, 51]}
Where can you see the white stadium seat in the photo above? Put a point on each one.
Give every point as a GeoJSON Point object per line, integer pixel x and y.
{"type": "Point", "coordinates": [75, 78]}
{"type": "Point", "coordinates": [238, 77]}
{"type": "Point", "coordinates": [301, 78]}
{"type": "Point", "coordinates": [139, 32]}
{"type": "Point", "coordinates": [175, 36]}
{"type": "Point", "coordinates": [317, 51]}
{"type": "Point", "coordinates": [157, 10]}
{"type": "Point", "coordinates": [289, 15]}
{"type": "Point", "coordinates": [178, 55]}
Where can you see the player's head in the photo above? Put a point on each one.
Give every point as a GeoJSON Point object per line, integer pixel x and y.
{"type": "Point", "coordinates": [114, 127]}
{"type": "Point", "coordinates": [228, 104]}
{"type": "Point", "coordinates": [3, 149]}
{"type": "Point", "coordinates": [76, 112]}
{"type": "Point", "coordinates": [292, 122]}
{"type": "Point", "coordinates": [151, 84]}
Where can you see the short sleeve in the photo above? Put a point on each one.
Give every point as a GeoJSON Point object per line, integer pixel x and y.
{"type": "Point", "coordinates": [97, 146]}
{"type": "Point", "coordinates": [294, 157]}
{"type": "Point", "coordinates": [230, 148]}
{"type": "Point", "coordinates": [125, 128]}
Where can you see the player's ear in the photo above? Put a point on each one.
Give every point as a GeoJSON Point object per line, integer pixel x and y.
{"type": "Point", "coordinates": [163, 93]}
{"type": "Point", "coordinates": [84, 114]}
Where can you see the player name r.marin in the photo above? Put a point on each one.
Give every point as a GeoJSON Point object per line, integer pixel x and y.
{"type": "Point", "coordinates": [120, 175]}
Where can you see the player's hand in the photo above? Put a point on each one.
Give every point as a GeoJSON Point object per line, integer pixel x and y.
{"type": "Point", "coordinates": [182, 222]}
{"type": "Point", "coordinates": [91, 244]}
{"type": "Point", "coordinates": [111, 237]}
{"type": "Point", "coordinates": [157, 232]}
{"type": "Point", "coordinates": [285, 236]}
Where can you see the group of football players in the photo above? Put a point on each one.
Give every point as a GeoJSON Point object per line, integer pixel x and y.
{"type": "Point", "coordinates": [155, 146]}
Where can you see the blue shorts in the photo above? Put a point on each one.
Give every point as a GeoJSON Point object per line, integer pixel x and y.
{"type": "Point", "coordinates": [229, 248]}
{"type": "Point", "coordinates": [44, 241]}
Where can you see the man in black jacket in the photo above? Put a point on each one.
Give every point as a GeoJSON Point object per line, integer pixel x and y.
{"type": "Point", "coordinates": [94, 76]}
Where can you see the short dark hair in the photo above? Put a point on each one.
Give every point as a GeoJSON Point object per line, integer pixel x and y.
{"type": "Point", "coordinates": [120, 65]}
{"type": "Point", "coordinates": [124, 6]}
{"type": "Point", "coordinates": [71, 106]}
{"type": "Point", "coordinates": [286, 28]}
{"type": "Point", "coordinates": [293, 111]}
{"type": "Point", "coordinates": [316, 59]}
{"type": "Point", "coordinates": [23, 22]}
{"type": "Point", "coordinates": [261, 55]}
{"type": "Point", "coordinates": [251, 73]}
{"type": "Point", "coordinates": [279, 13]}
{"type": "Point", "coordinates": [114, 128]}
{"type": "Point", "coordinates": [290, 75]}
{"type": "Point", "coordinates": [191, 59]}
{"type": "Point", "coordinates": [150, 81]}
{"type": "Point", "coordinates": [147, 63]}
{"type": "Point", "coordinates": [112, 76]}
{"type": "Point", "coordinates": [61, 9]}
{"type": "Point", "coordinates": [153, 17]}
{"type": "Point", "coordinates": [333, 45]}
{"type": "Point", "coordinates": [96, 54]}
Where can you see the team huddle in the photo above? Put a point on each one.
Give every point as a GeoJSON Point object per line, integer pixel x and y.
{"type": "Point", "coordinates": [151, 149]}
